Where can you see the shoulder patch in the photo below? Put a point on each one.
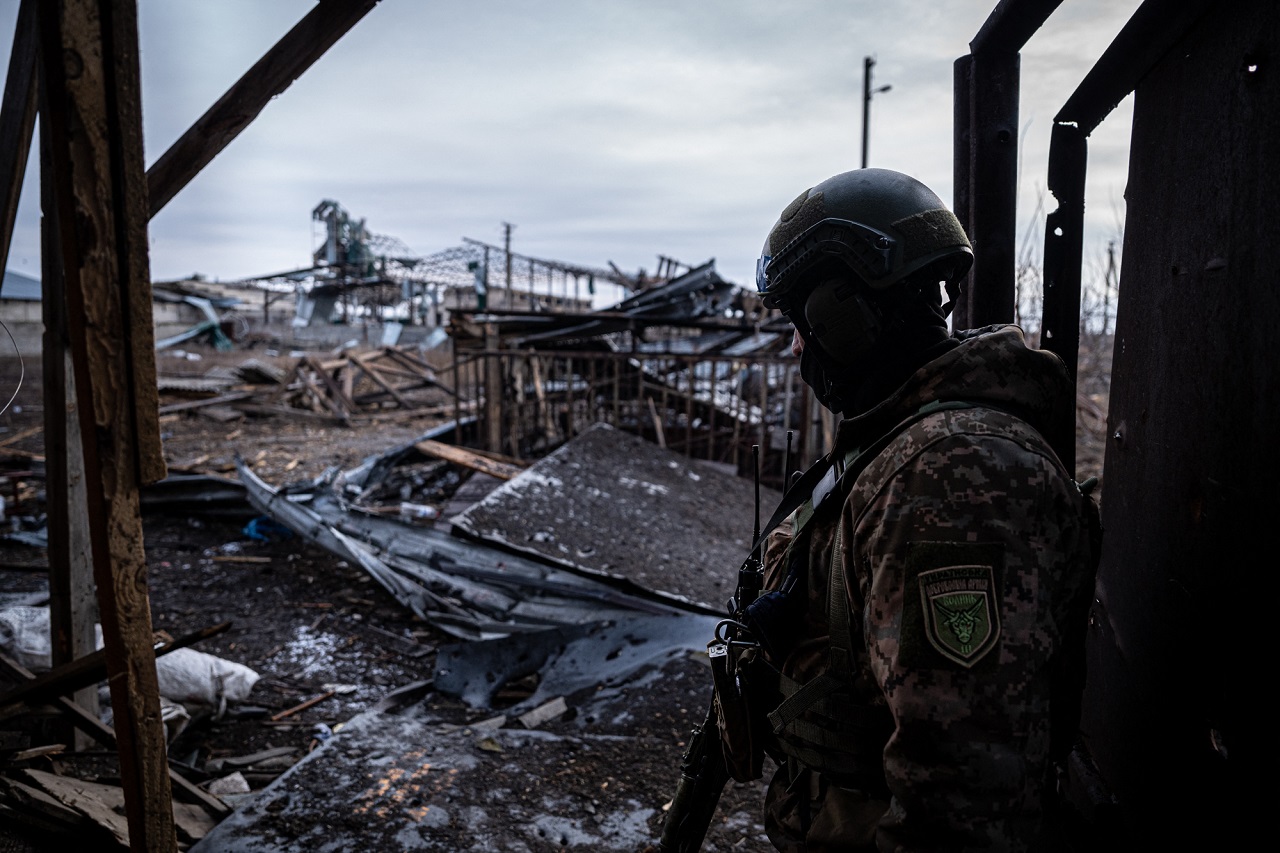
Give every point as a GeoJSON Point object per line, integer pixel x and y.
{"type": "Point", "coordinates": [951, 603]}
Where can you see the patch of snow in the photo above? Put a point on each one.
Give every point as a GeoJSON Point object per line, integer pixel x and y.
{"type": "Point", "coordinates": [309, 653]}
{"type": "Point", "coordinates": [651, 488]}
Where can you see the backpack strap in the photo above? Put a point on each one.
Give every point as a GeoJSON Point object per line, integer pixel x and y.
{"type": "Point", "coordinates": [841, 469]}
{"type": "Point", "coordinates": [818, 722]}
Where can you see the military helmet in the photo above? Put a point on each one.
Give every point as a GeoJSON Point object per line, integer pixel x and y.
{"type": "Point", "coordinates": [882, 226]}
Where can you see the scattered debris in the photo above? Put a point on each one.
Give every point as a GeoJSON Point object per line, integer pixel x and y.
{"type": "Point", "coordinates": [302, 706]}
{"type": "Point", "coordinates": [390, 381]}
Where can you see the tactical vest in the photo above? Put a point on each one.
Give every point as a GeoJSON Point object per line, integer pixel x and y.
{"type": "Point", "coordinates": [821, 723]}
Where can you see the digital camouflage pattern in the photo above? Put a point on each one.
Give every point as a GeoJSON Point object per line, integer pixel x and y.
{"type": "Point", "coordinates": [965, 551]}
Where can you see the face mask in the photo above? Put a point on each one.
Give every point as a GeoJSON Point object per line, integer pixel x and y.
{"type": "Point", "coordinates": [814, 373]}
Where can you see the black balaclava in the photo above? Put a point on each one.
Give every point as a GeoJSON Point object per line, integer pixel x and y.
{"type": "Point", "coordinates": [913, 332]}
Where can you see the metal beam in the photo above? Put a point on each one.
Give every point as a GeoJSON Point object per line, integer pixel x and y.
{"type": "Point", "coordinates": [1011, 24]}
{"type": "Point", "coordinates": [1155, 27]}
{"type": "Point", "coordinates": [986, 157]}
{"type": "Point", "coordinates": [993, 140]}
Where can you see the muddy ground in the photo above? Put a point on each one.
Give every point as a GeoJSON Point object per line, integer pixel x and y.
{"type": "Point", "coordinates": [311, 625]}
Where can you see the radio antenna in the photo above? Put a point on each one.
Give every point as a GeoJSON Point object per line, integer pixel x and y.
{"type": "Point", "coordinates": [786, 462]}
{"type": "Point", "coordinates": [755, 461]}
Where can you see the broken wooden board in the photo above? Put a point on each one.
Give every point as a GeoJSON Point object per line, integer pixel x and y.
{"type": "Point", "coordinates": [104, 806]}
{"type": "Point", "coordinates": [469, 459]}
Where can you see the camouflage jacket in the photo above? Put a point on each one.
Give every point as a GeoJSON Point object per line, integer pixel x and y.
{"type": "Point", "coordinates": [963, 549]}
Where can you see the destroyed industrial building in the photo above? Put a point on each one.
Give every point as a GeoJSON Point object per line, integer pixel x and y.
{"type": "Point", "coordinates": [595, 552]}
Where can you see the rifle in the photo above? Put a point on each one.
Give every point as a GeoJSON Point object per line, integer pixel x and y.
{"type": "Point", "coordinates": [702, 780]}
{"type": "Point", "coordinates": [704, 769]}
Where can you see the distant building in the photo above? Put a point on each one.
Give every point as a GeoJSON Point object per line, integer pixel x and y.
{"type": "Point", "coordinates": [21, 312]}
{"type": "Point", "coordinates": [179, 308]}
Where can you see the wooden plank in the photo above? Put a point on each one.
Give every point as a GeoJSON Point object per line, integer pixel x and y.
{"type": "Point", "coordinates": [493, 408]}
{"type": "Point", "coordinates": [38, 809]}
{"type": "Point", "coordinates": [103, 734]}
{"type": "Point", "coordinates": [17, 120]}
{"type": "Point", "coordinates": [99, 803]}
{"type": "Point", "coordinates": [292, 55]}
{"type": "Point", "coordinates": [409, 414]}
{"type": "Point", "coordinates": [20, 435]}
{"type": "Point", "coordinates": [89, 67]}
{"type": "Point", "coordinates": [372, 373]}
{"type": "Point", "coordinates": [457, 402]}
{"type": "Point", "coordinates": [468, 459]}
{"type": "Point", "coordinates": [290, 412]}
{"type": "Point", "coordinates": [25, 454]}
{"type": "Point", "coordinates": [421, 368]}
{"type": "Point", "coordinates": [341, 404]}
{"type": "Point", "coordinates": [543, 412]}
{"type": "Point", "coordinates": [349, 380]}
{"type": "Point", "coordinates": [73, 608]}
{"type": "Point", "coordinates": [102, 803]}
{"type": "Point", "coordinates": [188, 405]}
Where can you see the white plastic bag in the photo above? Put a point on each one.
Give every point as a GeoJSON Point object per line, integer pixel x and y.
{"type": "Point", "coordinates": [185, 675]}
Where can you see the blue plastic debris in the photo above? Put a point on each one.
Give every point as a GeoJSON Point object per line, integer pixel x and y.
{"type": "Point", "coordinates": [266, 529]}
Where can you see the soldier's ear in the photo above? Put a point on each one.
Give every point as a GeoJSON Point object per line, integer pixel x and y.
{"type": "Point", "coordinates": [843, 321]}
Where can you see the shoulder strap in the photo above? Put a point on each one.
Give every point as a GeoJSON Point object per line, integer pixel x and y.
{"type": "Point", "coordinates": [840, 469]}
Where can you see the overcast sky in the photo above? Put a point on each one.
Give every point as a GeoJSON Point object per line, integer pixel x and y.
{"type": "Point", "coordinates": [602, 130]}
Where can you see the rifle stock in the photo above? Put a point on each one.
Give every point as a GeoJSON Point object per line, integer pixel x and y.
{"type": "Point", "coordinates": [702, 779]}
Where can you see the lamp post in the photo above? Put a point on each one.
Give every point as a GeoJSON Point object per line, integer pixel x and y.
{"type": "Point", "coordinates": [867, 92]}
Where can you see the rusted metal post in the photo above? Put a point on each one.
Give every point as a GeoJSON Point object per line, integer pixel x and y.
{"type": "Point", "coordinates": [492, 389]}
{"type": "Point", "coordinates": [1063, 250]}
{"type": "Point", "coordinates": [962, 178]}
{"type": "Point", "coordinates": [993, 133]}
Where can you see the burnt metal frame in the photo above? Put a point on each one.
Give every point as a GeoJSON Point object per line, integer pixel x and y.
{"type": "Point", "coordinates": [1154, 28]}
{"type": "Point", "coordinates": [985, 167]}
{"type": "Point", "coordinates": [985, 145]}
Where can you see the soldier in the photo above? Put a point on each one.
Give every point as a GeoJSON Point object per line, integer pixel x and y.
{"type": "Point", "coordinates": [919, 642]}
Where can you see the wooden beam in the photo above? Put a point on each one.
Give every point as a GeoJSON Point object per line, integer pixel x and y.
{"type": "Point", "coordinates": [17, 120]}
{"type": "Point", "coordinates": [335, 388]}
{"type": "Point", "coordinates": [20, 435]}
{"type": "Point", "coordinates": [73, 606]}
{"type": "Point", "coordinates": [297, 51]}
{"type": "Point", "coordinates": [105, 735]}
{"type": "Point", "coordinates": [222, 399]}
{"type": "Point", "coordinates": [92, 100]}
{"type": "Point", "coordinates": [468, 459]}
{"type": "Point", "coordinates": [493, 408]}
{"type": "Point", "coordinates": [372, 372]}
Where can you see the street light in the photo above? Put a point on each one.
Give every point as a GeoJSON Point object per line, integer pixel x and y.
{"type": "Point", "coordinates": [867, 92]}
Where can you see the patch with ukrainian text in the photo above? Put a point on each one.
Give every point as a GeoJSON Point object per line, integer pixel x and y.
{"type": "Point", "coordinates": [951, 603]}
{"type": "Point", "coordinates": [961, 620]}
